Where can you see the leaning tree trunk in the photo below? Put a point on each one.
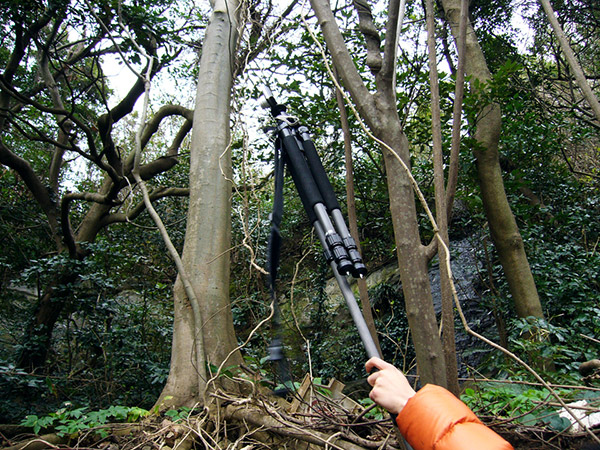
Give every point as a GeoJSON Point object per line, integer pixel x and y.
{"type": "Point", "coordinates": [208, 233]}
{"type": "Point", "coordinates": [441, 208]}
{"type": "Point", "coordinates": [38, 333]}
{"type": "Point", "coordinates": [503, 226]}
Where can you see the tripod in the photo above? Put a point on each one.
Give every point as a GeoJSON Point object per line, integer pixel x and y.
{"type": "Point", "coordinates": [295, 148]}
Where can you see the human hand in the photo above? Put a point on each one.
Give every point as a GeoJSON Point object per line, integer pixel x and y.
{"type": "Point", "coordinates": [391, 389]}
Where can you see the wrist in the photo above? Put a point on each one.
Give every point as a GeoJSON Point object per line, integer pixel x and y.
{"type": "Point", "coordinates": [403, 400]}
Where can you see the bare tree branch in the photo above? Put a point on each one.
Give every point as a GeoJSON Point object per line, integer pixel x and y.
{"type": "Point", "coordinates": [349, 74]}
{"type": "Point", "coordinates": [134, 212]}
{"type": "Point", "coordinates": [459, 91]}
{"type": "Point", "coordinates": [388, 67]}
{"type": "Point", "coordinates": [35, 185]}
{"type": "Point", "coordinates": [572, 60]}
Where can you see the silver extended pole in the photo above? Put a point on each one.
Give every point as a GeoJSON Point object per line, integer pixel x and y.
{"type": "Point", "coordinates": [355, 312]}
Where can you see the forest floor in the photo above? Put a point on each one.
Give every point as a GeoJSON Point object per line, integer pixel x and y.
{"type": "Point", "coordinates": [313, 417]}
{"type": "Point", "coordinates": [171, 436]}
{"type": "Point", "coordinates": [262, 424]}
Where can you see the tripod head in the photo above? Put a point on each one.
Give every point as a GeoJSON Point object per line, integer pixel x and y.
{"type": "Point", "coordinates": [267, 101]}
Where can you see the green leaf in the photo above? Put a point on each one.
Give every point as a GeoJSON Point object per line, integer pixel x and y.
{"type": "Point", "coordinates": [32, 421]}
{"type": "Point", "coordinates": [557, 422]}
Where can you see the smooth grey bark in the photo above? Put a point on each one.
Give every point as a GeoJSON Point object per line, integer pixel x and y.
{"type": "Point", "coordinates": [208, 232]}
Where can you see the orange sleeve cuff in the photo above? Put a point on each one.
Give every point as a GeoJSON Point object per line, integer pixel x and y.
{"type": "Point", "coordinates": [434, 419]}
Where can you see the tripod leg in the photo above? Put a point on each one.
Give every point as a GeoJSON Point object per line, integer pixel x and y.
{"type": "Point", "coordinates": [320, 176]}
{"type": "Point", "coordinates": [311, 198]}
{"type": "Point", "coordinates": [358, 267]}
{"type": "Point", "coordinates": [355, 312]}
{"type": "Point", "coordinates": [332, 241]}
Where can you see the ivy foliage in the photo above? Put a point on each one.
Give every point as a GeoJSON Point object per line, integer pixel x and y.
{"type": "Point", "coordinates": [112, 340]}
{"type": "Point", "coordinates": [516, 401]}
{"type": "Point", "coordinates": [68, 421]}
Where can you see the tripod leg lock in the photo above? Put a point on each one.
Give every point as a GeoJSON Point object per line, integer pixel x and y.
{"type": "Point", "coordinates": [336, 246]}
{"type": "Point", "coordinates": [328, 255]}
{"type": "Point", "coordinates": [359, 269]}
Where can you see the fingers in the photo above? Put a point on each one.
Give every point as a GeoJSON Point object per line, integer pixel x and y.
{"type": "Point", "coordinates": [391, 389]}
{"type": "Point", "coordinates": [377, 363]}
{"type": "Point", "coordinates": [371, 379]}
{"type": "Point", "coordinates": [373, 396]}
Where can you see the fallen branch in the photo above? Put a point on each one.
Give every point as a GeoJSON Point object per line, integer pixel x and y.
{"type": "Point", "coordinates": [274, 422]}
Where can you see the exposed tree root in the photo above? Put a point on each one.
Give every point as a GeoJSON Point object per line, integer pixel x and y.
{"type": "Point", "coordinates": [40, 442]}
{"type": "Point", "coordinates": [278, 423]}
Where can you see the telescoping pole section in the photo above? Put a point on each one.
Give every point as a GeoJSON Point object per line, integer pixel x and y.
{"type": "Point", "coordinates": [355, 312]}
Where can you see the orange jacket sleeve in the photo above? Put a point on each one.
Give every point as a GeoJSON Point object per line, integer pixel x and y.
{"type": "Point", "coordinates": [434, 419]}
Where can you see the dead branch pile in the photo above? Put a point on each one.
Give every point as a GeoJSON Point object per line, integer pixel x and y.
{"type": "Point", "coordinates": [308, 420]}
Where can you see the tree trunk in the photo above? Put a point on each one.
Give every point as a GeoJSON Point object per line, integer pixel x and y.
{"type": "Point", "coordinates": [38, 335]}
{"type": "Point", "coordinates": [208, 232]}
{"type": "Point", "coordinates": [412, 262]}
{"type": "Point", "coordinates": [379, 112]}
{"type": "Point", "coordinates": [185, 374]}
{"type": "Point", "coordinates": [441, 207]}
{"type": "Point", "coordinates": [503, 227]}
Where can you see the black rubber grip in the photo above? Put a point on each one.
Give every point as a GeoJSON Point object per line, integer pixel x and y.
{"type": "Point", "coordinates": [314, 162]}
{"type": "Point", "coordinates": [303, 179]}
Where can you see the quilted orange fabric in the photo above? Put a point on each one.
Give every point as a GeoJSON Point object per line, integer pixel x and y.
{"type": "Point", "coordinates": [434, 419]}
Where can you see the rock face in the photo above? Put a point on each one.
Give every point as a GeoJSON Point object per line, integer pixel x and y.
{"type": "Point", "coordinates": [465, 270]}
{"type": "Point", "coordinates": [589, 367]}
{"type": "Point", "coordinates": [590, 370]}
